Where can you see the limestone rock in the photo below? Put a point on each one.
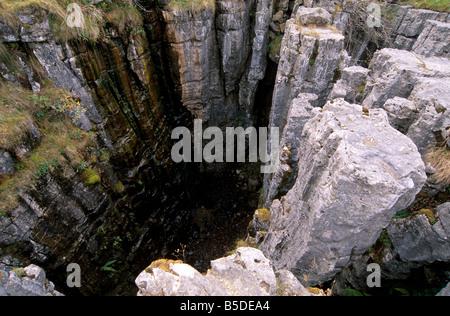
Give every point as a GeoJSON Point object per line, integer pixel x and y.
{"type": "Point", "coordinates": [34, 27]}
{"type": "Point", "coordinates": [6, 164]}
{"type": "Point", "coordinates": [351, 84]}
{"type": "Point", "coordinates": [29, 281]}
{"type": "Point", "coordinates": [258, 61]}
{"type": "Point", "coordinates": [433, 102]}
{"type": "Point", "coordinates": [355, 173]}
{"type": "Point", "coordinates": [289, 285]}
{"type": "Point", "coordinates": [282, 180]}
{"type": "Point", "coordinates": [313, 16]}
{"type": "Point", "coordinates": [417, 239]}
{"type": "Point", "coordinates": [409, 24]}
{"type": "Point", "coordinates": [394, 73]}
{"type": "Point", "coordinates": [54, 59]}
{"type": "Point", "coordinates": [233, 29]}
{"type": "Point", "coordinates": [246, 273]}
{"type": "Point", "coordinates": [402, 113]}
{"type": "Point", "coordinates": [434, 40]}
{"type": "Point", "coordinates": [308, 61]}
{"type": "Point", "coordinates": [445, 291]}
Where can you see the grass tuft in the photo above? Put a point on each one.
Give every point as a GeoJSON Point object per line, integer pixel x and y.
{"type": "Point", "coordinates": [439, 159]}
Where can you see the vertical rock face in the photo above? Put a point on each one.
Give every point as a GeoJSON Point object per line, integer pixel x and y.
{"type": "Point", "coordinates": [282, 180]}
{"type": "Point", "coordinates": [218, 57]}
{"type": "Point", "coordinates": [195, 60]}
{"type": "Point", "coordinates": [309, 58]}
{"type": "Point", "coordinates": [355, 173]}
{"type": "Point", "coordinates": [135, 86]}
{"type": "Point", "coordinates": [128, 206]}
{"type": "Point", "coordinates": [255, 72]}
{"type": "Point", "coordinates": [233, 29]}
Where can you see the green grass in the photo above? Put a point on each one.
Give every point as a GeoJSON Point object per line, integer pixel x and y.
{"type": "Point", "coordinates": [57, 146]}
{"type": "Point", "coordinates": [191, 5]}
{"type": "Point", "coordinates": [438, 5]}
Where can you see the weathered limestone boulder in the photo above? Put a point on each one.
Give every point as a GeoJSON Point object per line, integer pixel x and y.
{"type": "Point", "coordinates": [417, 243]}
{"type": "Point", "coordinates": [413, 90]}
{"type": "Point", "coordinates": [434, 40]}
{"type": "Point", "coordinates": [355, 173]}
{"type": "Point", "coordinates": [351, 85]}
{"type": "Point", "coordinates": [423, 238]}
{"type": "Point", "coordinates": [402, 113]}
{"type": "Point", "coordinates": [396, 72]}
{"type": "Point", "coordinates": [246, 273]}
{"type": "Point", "coordinates": [431, 97]}
{"type": "Point", "coordinates": [409, 24]}
{"type": "Point", "coordinates": [313, 16]}
{"type": "Point", "coordinates": [29, 281]}
{"type": "Point", "coordinates": [289, 285]}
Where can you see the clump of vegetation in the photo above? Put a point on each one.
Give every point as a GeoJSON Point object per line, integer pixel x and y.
{"type": "Point", "coordinates": [91, 177]}
{"type": "Point", "coordinates": [60, 142]}
{"type": "Point", "coordinates": [122, 14]}
{"type": "Point", "coordinates": [264, 214]}
{"type": "Point", "coordinates": [163, 264]}
{"type": "Point", "coordinates": [439, 159]}
{"type": "Point", "coordinates": [429, 214]}
{"type": "Point", "coordinates": [438, 5]}
{"type": "Point", "coordinates": [20, 272]}
{"type": "Point", "coordinates": [119, 187]}
{"type": "Point", "coordinates": [191, 5]}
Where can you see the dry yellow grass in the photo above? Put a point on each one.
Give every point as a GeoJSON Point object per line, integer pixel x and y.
{"type": "Point", "coordinates": [439, 159]}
